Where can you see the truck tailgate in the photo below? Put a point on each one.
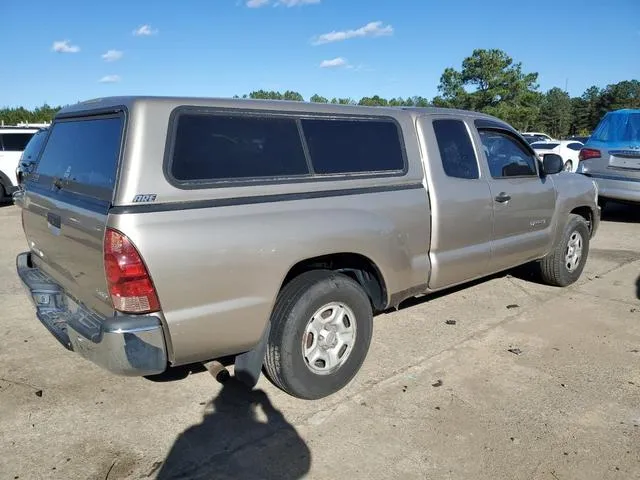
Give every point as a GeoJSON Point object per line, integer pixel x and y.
{"type": "Point", "coordinates": [66, 202]}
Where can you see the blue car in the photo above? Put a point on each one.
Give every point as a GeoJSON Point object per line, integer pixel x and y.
{"type": "Point", "coordinates": [611, 156]}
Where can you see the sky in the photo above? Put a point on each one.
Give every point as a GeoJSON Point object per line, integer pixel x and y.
{"type": "Point", "coordinates": [64, 51]}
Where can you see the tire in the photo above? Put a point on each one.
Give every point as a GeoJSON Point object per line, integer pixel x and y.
{"type": "Point", "coordinates": [555, 268]}
{"type": "Point", "coordinates": [568, 166]}
{"type": "Point", "coordinates": [306, 295]}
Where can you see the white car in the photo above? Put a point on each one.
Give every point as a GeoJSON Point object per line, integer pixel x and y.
{"type": "Point", "coordinates": [13, 140]}
{"type": "Point", "coordinates": [532, 137]}
{"type": "Point", "coordinates": [567, 149]}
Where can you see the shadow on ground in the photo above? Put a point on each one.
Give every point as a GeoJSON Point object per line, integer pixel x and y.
{"type": "Point", "coordinates": [234, 441]}
{"type": "Point", "coordinates": [638, 288]}
{"type": "Point", "coordinates": [621, 212]}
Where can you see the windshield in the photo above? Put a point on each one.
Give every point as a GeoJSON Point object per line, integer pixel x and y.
{"type": "Point", "coordinates": [618, 127]}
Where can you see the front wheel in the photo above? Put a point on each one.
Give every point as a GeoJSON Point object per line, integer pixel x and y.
{"type": "Point", "coordinates": [564, 265]}
{"type": "Point", "coordinates": [321, 329]}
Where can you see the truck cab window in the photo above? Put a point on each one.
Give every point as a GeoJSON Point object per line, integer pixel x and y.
{"type": "Point", "coordinates": [506, 157]}
{"type": "Point", "coordinates": [456, 151]}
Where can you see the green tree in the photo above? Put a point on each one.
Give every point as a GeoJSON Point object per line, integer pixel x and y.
{"type": "Point", "coordinates": [343, 101]}
{"type": "Point", "coordinates": [556, 113]}
{"type": "Point", "coordinates": [374, 101]}
{"type": "Point", "coordinates": [295, 96]}
{"type": "Point", "coordinates": [625, 94]}
{"type": "Point", "coordinates": [579, 117]}
{"type": "Point", "coordinates": [318, 99]}
{"type": "Point", "coordinates": [591, 113]}
{"type": "Point", "coordinates": [491, 82]}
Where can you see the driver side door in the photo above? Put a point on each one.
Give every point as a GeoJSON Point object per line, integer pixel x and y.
{"type": "Point", "coordinates": [523, 200]}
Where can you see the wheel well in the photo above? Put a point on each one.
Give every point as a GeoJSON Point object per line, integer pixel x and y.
{"type": "Point", "coordinates": [357, 266]}
{"type": "Point", "coordinates": [586, 213]}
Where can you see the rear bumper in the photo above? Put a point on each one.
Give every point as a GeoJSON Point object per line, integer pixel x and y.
{"type": "Point", "coordinates": [617, 188]}
{"type": "Point", "coordinates": [125, 345]}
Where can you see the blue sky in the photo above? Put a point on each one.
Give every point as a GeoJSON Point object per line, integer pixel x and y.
{"type": "Point", "coordinates": [70, 50]}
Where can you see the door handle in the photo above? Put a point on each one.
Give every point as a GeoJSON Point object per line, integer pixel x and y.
{"type": "Point", "coordinates": [503, 197]}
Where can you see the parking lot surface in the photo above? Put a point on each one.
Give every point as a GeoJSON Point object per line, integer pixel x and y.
{"type": "Point", "coordinates": [501, 379]}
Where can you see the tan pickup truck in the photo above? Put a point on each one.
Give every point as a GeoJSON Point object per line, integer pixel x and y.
{"type": "Point", "coordinates": [171, 231]}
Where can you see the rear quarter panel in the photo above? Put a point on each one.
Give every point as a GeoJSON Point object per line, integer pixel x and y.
{"type": "Point", "coordinates": [218, 270]}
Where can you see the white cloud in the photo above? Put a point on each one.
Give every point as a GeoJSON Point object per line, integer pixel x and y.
{"type": "Point", "coordinates": [286, 3]}
{"type": "Point", "coordinates": [112, 55]}
{"type": "Point", "coordinates": [371, 29]}
{"type": "Point", "coordinates": [144, 31]}
{"type": "Point", "coordinates": [64, 46]}
{"type": "Point", "coordinates": [335, 63]}
{"type": "Point", "coordinates": [110, 79]}
{"type": "Point", "coordinates": [295, 3]}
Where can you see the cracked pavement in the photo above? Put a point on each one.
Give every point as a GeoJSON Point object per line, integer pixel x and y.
{"type": "Point", "coordinates": [435, 399]}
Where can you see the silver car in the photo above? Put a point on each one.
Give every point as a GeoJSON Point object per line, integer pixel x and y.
{"type": "Point", "coordinates": [611, 156]}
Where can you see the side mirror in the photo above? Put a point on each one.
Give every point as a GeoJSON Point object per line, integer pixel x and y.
{"type": "Point", "coordinates": [552, 163]}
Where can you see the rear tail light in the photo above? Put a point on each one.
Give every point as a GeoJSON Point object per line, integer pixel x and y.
{"type": "Point", "coordinates": [588, 153]}
{"type": "Point", "coordinates": [128, 279]}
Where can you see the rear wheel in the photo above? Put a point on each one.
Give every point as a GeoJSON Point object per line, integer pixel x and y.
{"type": "Point", "coordinates": [321, 330]}
{"type": "Point", "coordinates": [564, 265]}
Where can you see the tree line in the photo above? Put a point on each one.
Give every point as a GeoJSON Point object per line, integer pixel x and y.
{"type": "Point", "coordinates": [488, 81]}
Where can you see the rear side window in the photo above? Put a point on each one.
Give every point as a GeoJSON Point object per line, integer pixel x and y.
{"type": "Point", "coordinates": [15, 142]}
{"type": "Point", "coordinates": [456, 151]}
{"type": "Point", "coordinates": [211, 147]}
{"type": "Point", "coordinates": [575, 146]}
{"type": "Point", "coordinates": [84, 154]}
{"type": "Point", "coordinates": [32, 149]}
{"type": "Point", "coordinates": [353, 146]}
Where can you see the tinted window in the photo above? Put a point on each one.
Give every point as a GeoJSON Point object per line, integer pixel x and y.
{"type": "Point", "coordinates": [353, 146]}
{"type": "Point", "coordinates": [15, 142]}
{"type": "Point", "coordinates": [220, 147]}
{"type": "Point", "coordinates": [32, 149]}
{"type": "Point", "coordinates": [84, 153]}
{"type": "Point", "coordinates": [456, 151]}
{"type": "Point", "coordinates": [575, 146]}
{"type": "Point", "coordinates": [506, 156]}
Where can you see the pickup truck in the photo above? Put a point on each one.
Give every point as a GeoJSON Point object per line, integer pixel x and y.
{"type": "Point", "coordinates": [167, 231]}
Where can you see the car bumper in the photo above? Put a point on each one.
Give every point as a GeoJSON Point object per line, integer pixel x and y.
{"type": "Point", "coordinates": [617, 188]}
{"type": "Point", "coordinates": [125, 345]}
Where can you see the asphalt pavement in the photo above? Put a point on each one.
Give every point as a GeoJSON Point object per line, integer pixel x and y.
{"type": "Point", "coordinates": [501, 379]}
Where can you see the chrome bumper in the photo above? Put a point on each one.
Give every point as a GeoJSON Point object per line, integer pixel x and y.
{"type": "Point", "coordinates": [125, 345]}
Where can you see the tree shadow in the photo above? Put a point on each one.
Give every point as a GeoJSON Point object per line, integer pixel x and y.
{"type": "Point", "coordinates": [232, 442]}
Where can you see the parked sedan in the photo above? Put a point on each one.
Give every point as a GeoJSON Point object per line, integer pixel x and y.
{"type": "Point", "coordinates": [569, 150]}
{"type": "Point", "coordinates": [612, 156]}
{"type": "Point", "coordinates": [532, 137]}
